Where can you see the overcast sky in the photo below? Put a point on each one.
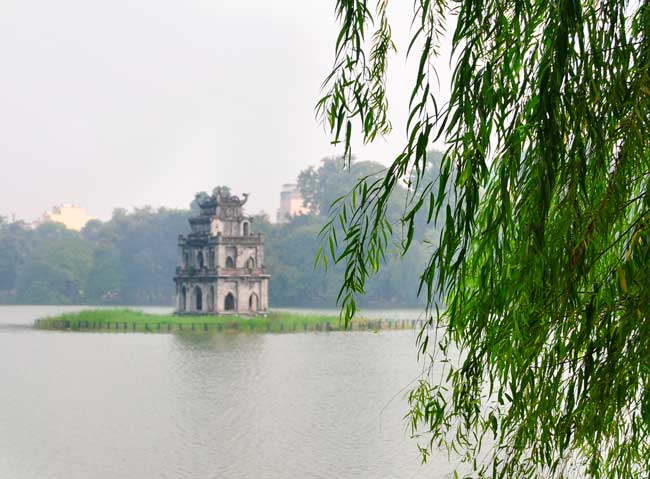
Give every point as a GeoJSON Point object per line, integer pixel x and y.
{"type": "Point", "coordinates": [127, 103]}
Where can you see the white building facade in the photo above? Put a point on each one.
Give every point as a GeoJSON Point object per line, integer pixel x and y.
{"type": "Point", "coordinates": [71, 216]}
{"type": "Point", "coordinates": [291, 203]}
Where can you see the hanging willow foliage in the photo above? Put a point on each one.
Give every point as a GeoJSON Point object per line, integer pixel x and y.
{"type": "Point", "coordinates": [543, 261]}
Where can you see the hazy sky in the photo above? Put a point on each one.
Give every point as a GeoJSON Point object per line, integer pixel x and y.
{"type": "Point", "coordinates": [130, 103]}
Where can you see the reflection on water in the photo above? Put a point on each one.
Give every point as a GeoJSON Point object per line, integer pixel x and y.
{"type": "Point", "coordinates": [80, 405]}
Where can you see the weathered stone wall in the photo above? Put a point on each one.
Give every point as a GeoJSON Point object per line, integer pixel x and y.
{"type": "Point", "coordinates": [240, 255]}
{"type": "Point", "coordinates": [248, 287]}
{"type": "Point", "coordinates": [240, 287]}
{"type": "Point", "coordinates": [243, 253]}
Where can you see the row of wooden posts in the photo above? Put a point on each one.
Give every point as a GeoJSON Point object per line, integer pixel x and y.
{"type": "Point", "coordinates": [240, 325]}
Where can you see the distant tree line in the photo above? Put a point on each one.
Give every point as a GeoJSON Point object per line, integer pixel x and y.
{"type": "Point", "coordinates": [131, 258]}
{"type": "Point", "coordinates": [127, 260]}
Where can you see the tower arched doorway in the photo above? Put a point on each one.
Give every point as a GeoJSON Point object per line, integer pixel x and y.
{"type": "Point", "coordinates": [198, 298]}
{"type": "Point", "coordinates": [229, 302]}
{"type": "Point", "coordinates": [183, 304]}
{"type": "Point", "coordinates": [253, 302]}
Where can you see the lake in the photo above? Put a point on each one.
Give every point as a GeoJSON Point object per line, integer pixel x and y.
{"type": "Point", "coordinates": [233, 405]}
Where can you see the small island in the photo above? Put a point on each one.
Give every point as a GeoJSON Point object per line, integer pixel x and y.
{"type": "Point", "coordinates": [129, 320]}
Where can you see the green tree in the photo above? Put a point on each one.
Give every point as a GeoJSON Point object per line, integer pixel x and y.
{"type": "Point", "coordinates": [322, 185]}
{"type": "Point", "coordinates": [290, 252]}
{"type": "Point", "coordinates": [147, 243]}
{"type": "Point", "coordinates": [55, 267]}
{"type": "Point", "coordinates": [106, 278]}
{"type": "Point", "coordinates": [93, 230]}
{"type": "Point", "coordinates": [543, 259]}
{"type": "Point", "coordinates": [15, 239]}
{"type": "Point", "coordinates": [8, 263]}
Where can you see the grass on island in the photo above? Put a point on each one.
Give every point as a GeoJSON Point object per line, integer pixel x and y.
{"type": "Point", "coordinates": [129, 320]}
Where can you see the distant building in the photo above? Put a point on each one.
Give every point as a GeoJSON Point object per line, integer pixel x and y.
{"type": "Point", "coordinates": [221, 265]}
{"type": "Point", "coordinates": [71, 216]}
{"type": "Point", "coordinates": [291, 203]}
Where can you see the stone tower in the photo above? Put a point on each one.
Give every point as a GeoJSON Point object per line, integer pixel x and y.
{"type": "Point", "coordinates": [221, 264]}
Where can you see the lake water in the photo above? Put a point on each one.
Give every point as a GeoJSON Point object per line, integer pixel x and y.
{"type": "Point", "coordinates": [232, 405]}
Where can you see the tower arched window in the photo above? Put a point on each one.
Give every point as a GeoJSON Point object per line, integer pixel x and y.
{"type": "Point", "coordinates": [230, 263]}
{"type": "Point", "coordinates": [250, 264]}
{"type": "Point", "coordinates": [199, 259]}
{"type": "Point", "coordinates": [198, 298]}
{"type": "Point", "coordinates": [253, 302]}
{"type": "Point", "coordinates": [183, 304]}
{"type": "Point", "coordinates": [246, 228]}
{"type": "Point", "coordinates": [229, 302]}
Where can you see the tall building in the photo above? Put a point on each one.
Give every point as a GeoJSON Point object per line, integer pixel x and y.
{"type": "Point", "coordinates": [71, 216]}
{"type": "Point", "coordinates": [221, 262]}
{"type": "Point", "coordinates": [291, 203]}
